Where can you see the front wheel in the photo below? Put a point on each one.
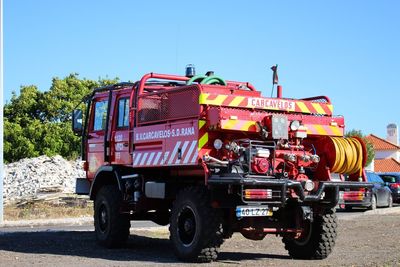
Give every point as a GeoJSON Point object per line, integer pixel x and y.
{"type": "Point", "coordinates": [195, 227]}
{"type": "Point", "coordinates": [373, 203]}
{"type": "Point", "coordinates": [317, 240]}
{"type": "Point", "coordinates": [390, 201]}
{"type": "Point", "coordinates": [111, 227]}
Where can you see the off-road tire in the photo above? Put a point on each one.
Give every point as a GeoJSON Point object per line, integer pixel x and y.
{"type": "Point", "coordinates": [111, 227]}
{"type": "Point", "coordinates": [319, 242]}
{"type": "Point", "coordinates": [195, 227]}
{"type": "Point", "coordinates": [373, 203]}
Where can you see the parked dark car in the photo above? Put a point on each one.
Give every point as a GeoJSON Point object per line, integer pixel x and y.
{"type": "Point", "coordinates": [393, 182]}
{"type": "Point", "coordinates": [379, 196]}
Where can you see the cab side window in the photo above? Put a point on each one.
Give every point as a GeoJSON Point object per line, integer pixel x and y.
{"type": "Point", "coordinates": [123, 113]}
{"type": "Point", "coordinates": [100, 115]}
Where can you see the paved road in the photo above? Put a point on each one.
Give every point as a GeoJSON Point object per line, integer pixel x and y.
{"type": "Point", "coordinates": [364, 239]}
{"type": "Point", "coordinates": [85, 226]}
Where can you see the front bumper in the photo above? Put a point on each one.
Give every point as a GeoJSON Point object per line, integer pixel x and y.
{"type": "Point", "coordinates": [365, 203]}
{"type": "Point", "coordinates": [327, 191]}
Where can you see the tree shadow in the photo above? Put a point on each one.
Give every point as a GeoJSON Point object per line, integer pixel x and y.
{"type": "Point", "coordinates": [83, 244]}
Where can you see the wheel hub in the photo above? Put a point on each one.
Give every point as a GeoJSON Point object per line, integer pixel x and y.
{"type": "Point", "coordinates": [186, 226]}
{"type": "Point", "coordinates": [103, 218]}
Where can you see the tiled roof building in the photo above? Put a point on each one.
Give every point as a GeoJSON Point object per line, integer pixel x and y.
{"type": "Point", "coordinates": [387, 165]}
{"type": "Point", "coordinates": [381, 144]}
{"type": "Point", "coordinates": [387, 155]}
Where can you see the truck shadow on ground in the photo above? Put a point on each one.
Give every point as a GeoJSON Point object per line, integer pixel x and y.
{"type": "Point", "coordinates": [83, 244]}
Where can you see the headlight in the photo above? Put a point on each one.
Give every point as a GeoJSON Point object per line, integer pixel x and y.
{"type": "Point", "coordinates": [309, 185]}
{"type": "Point", "coordinates": [294, 125]}
{"type": "Point", "coordinates": [217, 144]}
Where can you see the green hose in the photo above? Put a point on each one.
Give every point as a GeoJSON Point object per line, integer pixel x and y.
{"type": "Point", "coordinates": [213, 80]}
{"type": "Point", "coordinates": [197, 78]}
{"type": "Point", "coordinates": [202, 79]}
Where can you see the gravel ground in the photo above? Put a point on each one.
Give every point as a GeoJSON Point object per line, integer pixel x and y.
{"type": "Point", "coordinates": [367, 240]}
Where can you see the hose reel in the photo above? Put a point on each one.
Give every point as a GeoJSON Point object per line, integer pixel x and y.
{"type": "Point", "coordinates": [349, 155]}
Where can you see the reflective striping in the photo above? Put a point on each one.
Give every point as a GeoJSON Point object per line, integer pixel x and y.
{"type": "Point", "coordinates": [144, 159]}
{"type": "Point", "coordinates": [157, 158]}
{"type": "Point", "coordinates": [239, 125]}
{"type": "Point", "coordinates": [330, 107]}
{"type": "Point", "coordinates": [288, 105]}
{"type": "Point", "coordinates": [303, 108]}
{"type": "Point", "coordinates": [203, 140]}
{"type": "Point", "coordinates": [236, 101]}
{"type": "Point", "coordinates": [228, 124]}
{"type": "Point", "coordinates": [182, 151]}
{"type": "Point", "coordinates": [320, 129]}
{"type": "Point", "coordinates": [174, 152]}
{"type": "Point", "coordinates": [316, 129]}
{"type": "Point", "coordinates": [164, 158]}
{"type": "Point", "coordinates": [196, 154]}
{"type": "Point", "coordinates": [201, 124]}
{"type": "Point", "coordinates": [137, 158]}
{"type": "Point", "coordinates": [318, 108]}
{"type": "Point", "coordinates": [212, 99]}
{"type": "Point", "coordinates": [150, 158]}
{"type": "Point", "coordinates": [337, 131]}
{"type": "Point", "coordinates": [190, 151]}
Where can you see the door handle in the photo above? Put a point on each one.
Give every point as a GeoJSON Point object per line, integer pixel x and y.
{"type": "Point", "coordinates": [126, 144]}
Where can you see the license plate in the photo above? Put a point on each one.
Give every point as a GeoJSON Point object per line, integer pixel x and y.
{"type": "Point", "coordinates": [251, 211]}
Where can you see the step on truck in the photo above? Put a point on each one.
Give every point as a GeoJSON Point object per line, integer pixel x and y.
{"type": "Point", "coordinates": [210, 157]}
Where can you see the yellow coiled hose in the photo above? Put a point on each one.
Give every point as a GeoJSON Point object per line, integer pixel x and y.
{"type": "Point", "coordinates": [349, 155]}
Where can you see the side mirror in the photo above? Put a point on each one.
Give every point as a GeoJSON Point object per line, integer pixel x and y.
{"type": "Point", "coordinates": [77, 121]}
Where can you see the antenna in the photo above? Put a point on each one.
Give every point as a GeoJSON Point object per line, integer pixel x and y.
{"type": "Point", "coordinates": [274, 77]}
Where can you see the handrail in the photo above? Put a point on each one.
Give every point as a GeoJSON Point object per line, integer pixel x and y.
{"type": "Point", "coordinates": [317, 98]}
{"type": "Point", "coordinates": [141, 86]}
{"type": "Point", "coordinates": [159, 76]}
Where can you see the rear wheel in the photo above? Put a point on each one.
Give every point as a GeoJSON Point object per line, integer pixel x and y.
{"type": "Point", "coordinates": [111, 227]}
{"type": "Point", "coordinates": [195, 227]}
{"type": "Point", "coordinates": [317, 240]}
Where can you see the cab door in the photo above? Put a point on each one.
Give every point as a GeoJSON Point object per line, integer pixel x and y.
{"type": "Point", "coordinates": [96, 134]}
{"type": "Point", "coordinates": [120, 131]}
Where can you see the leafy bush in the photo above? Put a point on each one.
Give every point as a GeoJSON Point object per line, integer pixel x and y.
{"type": "Point", "coordinates": [370, 148]}
{"type": "Point", "coordinates": [39, 123]}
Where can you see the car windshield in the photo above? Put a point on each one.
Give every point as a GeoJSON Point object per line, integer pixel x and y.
{"type": "Point", "coordinates": [390, 178]}
{"type": "Point", "coordinates": [374, 178]}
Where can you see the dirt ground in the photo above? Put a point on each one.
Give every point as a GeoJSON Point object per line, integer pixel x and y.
{"type": "Point", "coordinates": [368, 240]}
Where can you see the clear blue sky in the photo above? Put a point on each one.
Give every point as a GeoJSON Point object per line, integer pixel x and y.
{"type": "Point", "coordinates": [347, 50]}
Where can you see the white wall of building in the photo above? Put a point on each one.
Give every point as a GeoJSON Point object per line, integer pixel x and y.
{"type": "Point", "coordinates": [385, 154]}
{"type": "Point", "coordinates": [371, 166]}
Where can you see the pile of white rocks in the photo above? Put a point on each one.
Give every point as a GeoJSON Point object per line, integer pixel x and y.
{"type": "Point", "coordinates": [28, 178]}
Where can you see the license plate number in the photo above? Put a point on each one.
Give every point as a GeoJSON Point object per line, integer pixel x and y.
{"type": "Point", "coordinates": [246, 211]}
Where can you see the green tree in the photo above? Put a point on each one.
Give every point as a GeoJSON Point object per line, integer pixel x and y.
{"type": "Point", "coordinates": [39, 123]}
{"type": "Point", "coordinates": [369, 146]}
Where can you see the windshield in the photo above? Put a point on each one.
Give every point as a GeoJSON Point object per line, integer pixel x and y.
{"type": "Point", "coordinates": [390, 178]}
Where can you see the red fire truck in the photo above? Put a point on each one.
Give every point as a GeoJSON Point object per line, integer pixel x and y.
{"type": "Point", "coordinates": [211, 157]}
